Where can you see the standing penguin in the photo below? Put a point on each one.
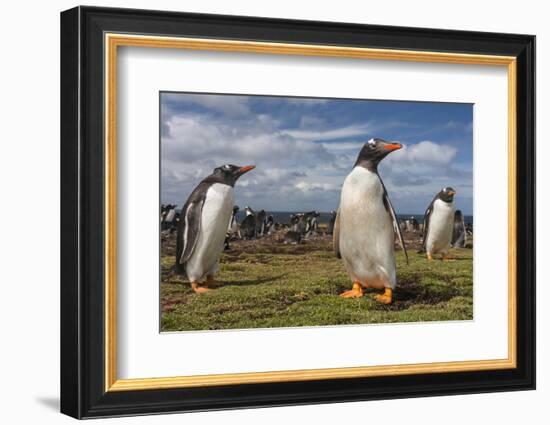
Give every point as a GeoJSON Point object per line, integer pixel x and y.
{"type": "Point", "coordinates": [203, 225]}
{"type": "Point", "coordinates": [438, 224]}
{"type": "Point", "coordinates": [233, 228]}
{"type": "Point", "coordinates": [269, 224]}
{"type": "Point", "coordinates": [459, 231]}
{"type": "Point", "coordinates": [330, 228]}
{"type": "Point", "coordinates": [365, 227]}
{"type": "Point", "coordinates": [260, 223]}
{"type": "Point", "coordinates": [247, 228]}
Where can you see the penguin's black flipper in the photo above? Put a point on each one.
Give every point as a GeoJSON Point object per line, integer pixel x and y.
{"type": "Point", "coordinates": [336, 235]}
{"type": "Point", "coordinates": [189, 226]}
{"type": "Point", "coordinates": [427, 215]}
{"type": "Point", "coordinates": [396, 228]}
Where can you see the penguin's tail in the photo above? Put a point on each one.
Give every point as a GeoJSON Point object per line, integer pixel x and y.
{"type": "Point", "coordinates": [180, 268]}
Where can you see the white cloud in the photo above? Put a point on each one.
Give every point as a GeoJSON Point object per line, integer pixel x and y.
{"type": "Point", "coordinates": [311, 186]}
{"type": "Point", "coordinates": [330, 134]}
{"type": "Point", "coordinates": [424, 152]}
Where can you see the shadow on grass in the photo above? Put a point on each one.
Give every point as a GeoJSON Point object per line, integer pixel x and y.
{"type": "Point", "coordinates": [248, 282]}
{"type": "Point", "coordinates": [410, 294]}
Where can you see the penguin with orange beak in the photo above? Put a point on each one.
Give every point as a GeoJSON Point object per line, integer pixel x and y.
{"type": "Point", "coordinates": [366, 225]}
{"type": "Point", "coordinates": [438, 224]}
{"type": "Point", "coordinates": [203, 225]}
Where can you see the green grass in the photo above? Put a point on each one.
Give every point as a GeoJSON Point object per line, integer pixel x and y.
{"type": "Point", "coordinates": [275, 285]}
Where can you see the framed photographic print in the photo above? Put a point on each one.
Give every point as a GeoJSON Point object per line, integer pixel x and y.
{"type": "Point", "coordinates": [261, 212]}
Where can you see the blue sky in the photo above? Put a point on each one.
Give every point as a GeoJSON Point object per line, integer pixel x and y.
{"type": "Point", "coordinates": [304, 148]}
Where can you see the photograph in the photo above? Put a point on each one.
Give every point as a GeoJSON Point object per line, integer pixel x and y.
{"type": "Point", "coordinates": [283, 212]}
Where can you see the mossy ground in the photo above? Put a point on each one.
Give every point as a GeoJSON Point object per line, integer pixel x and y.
{"type": "Point", "coordinates": [264, 283]}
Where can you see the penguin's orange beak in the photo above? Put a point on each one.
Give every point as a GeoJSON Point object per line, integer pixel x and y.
{"type": "Point", "coordinates": [452, 192]}
{"type": "Point", "coordinates": [393, 146]}
{"type": "Point", "coordinates": [246, 169]}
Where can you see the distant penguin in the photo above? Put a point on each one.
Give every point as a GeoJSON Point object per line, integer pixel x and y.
{"type": "Point", "coordinates": [459, 231]}
{"type": "Point", "coordinates": [260, 223]}
{"type": "Point", "coordinates": [438, 224]}
{"type": "Point", "coordinates": [366, 224]}
{"type": "Point", "coordinates": [293, 222]}
{"type": "Point", "coordinates": [233, 228]}
{"type": "Point", "coordinates": [203, 225]}
{"type": "Point", "coordinates": [269, 225]}
{"type": "Point", "coordinates": [247, 228]}
{"type": "Point", "coordinates": [330, 228]}
{"type": "Point", "coordinates": [162, 213]}
{"type": "Point", "coordinates": [171, 214]}
{"type": "Point", "coordinates": [168, 216]}
{"type": "Point", "coordinates": [311, 222]}
{"type": "Point", "coordinates": [299, 223]}
{"type": "Point", "coordinates": [414, 223]}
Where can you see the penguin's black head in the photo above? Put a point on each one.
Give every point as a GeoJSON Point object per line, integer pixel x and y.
{"type": "Point", "coordinates": [374, 151]}
{"type": "Point", "coordinates": [229, 173]}
{"type": "Point", "coordinates": [458, 216]}
{"type": "Point", "coordinates": [235, 209]}
{"type": "Point", "coordinates": [446, 194]}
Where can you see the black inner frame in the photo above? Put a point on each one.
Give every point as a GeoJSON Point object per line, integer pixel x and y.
{"type": "Point", "coordinates": [82, 208]}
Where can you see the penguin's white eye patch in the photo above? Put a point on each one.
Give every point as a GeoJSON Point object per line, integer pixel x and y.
{"type": "Point", "coordinates": [371, 142]}
{"type": "Point", "coordinates": [226, 167]}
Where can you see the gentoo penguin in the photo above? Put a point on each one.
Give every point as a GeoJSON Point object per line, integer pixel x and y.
{"type": "Point", "coordinates": [167, 216]}
{"type": "Point", "coordinates": [248, 225]}
{"type": "Point", "coordinates": [311, 222]}
{"type": "Point", "coordinates": [438, 224]}
{"type": "Point", "coordinates": [299, 223]}
{"type": "Point", "coordinates": [365, 227]}
{"type": "Point", "coordinates": [293, 222]}
{"type": "Point", "coordinates": [232, 229]}
{"type": "Point", "coordinates": [414, 223]}
{"type": "Point", "coordinates": [459, 231]}
{"type": "Point", "coordinates": [330, 228]}
{"type": "Point", "coordinates": [269, 225]}
{"type": "Point", "coordinates": [203, 225]}
{"type": "Point", "coordinates": [260, 222]}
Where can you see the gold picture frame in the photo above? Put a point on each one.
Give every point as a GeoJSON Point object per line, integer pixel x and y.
{"type": "Point", "coordinates": [114, 41]}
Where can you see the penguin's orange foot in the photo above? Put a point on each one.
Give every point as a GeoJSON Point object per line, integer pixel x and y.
{"type": "Point", "coordinates": [199, 289]}
{"type": "Point", "coordinates": [386, 297]}
{"type": "Point", "coordinates": [429, 255]}
{"type": "Point", "coordinates": [445, 257]}
{"type": "Point", "coordinates": [355, 292]}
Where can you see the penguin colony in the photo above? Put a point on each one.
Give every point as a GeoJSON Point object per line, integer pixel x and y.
{"type": "Point", "coordinates": [207, 223]}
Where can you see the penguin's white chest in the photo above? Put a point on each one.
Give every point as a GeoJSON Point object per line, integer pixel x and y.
{"type": "Point", "coordinates": [215, 217]}
{"type": "Point", "coordinates": [366, 230]}
{"type": "Point", "coordinates": [232, 228]}
{"type": "Point", "coordinates": [440, 231]}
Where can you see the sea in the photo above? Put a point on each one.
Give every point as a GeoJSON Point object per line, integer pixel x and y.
{"type": "Point", "coordinates": [284, 216]}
